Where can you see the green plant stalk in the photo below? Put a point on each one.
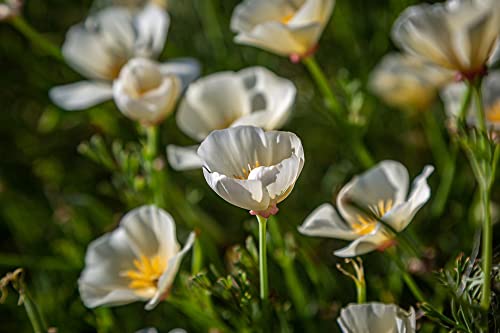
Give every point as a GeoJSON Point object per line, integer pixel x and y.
{"type": "Point", "coordinates": [35, 37]}
{"type": "Point", "coordinates": [322, 83]}
{"type": "Point", "coordinates": [31, 308]}
{"type": "Point", "coordinates": [436, 141]}
{"type": "Point", "coordinates": [487, 249]}
{"type": "Point", "coordinates": [210, 21]}
{"type": "Point", "coordinates": [361, 292]}
{"type": "Point", "coordinates": [362, 153]}
{"type": "Point", "coordinates": [264, 287]}
{"type": "Point", "coordinates": [444, 189]}
{"type": "Point", "coordinates": [150, 154]}
{"type": "Point", "coordinates": [197, 259]}
{"type": "Point", "coordinates": [464, 107]}
{"type": "Point", "coordinates": [408, 279]}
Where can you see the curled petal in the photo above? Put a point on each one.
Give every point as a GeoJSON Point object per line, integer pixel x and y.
{"type": "Point", "coordinates": [81, 95]}
{"type": "Point", "coordinates": [324, 221]}
{"type": "Point", "coordinates": [364, 244]}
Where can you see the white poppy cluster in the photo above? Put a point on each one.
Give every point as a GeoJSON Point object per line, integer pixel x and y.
{"type": "Point", "coordinates": [235, 117]}
{"type": "Point", "coordinates": [456, 40]}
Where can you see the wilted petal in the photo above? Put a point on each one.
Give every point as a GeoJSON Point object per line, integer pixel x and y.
{"type": "Point", "coordinates": [183, 158]}
{"type": "Point", "coordinates": [81, 95]}
{"type": "Point", "coordinates": [324, 221]}
{"type": "Point", "coordinates": [376, 317]}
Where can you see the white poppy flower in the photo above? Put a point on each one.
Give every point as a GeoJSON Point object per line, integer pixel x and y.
{"type": "Point", "coordinates": [458, 34]}
{"type": "Point", "coordinates": [99, 47]}
{"type": "Point", "coordinates": [453, 95]}
{"type": "Point", "coordinates": [144, 93]}
{"type": "Point", "coordinates": [136, 262]}
{"type": "Point", "coordinates": [253, 96]}
{"type": "Point", "coordinates": [250, 168]}
{"type": "Point", "coordinates": [382, 191]}
{"type": "Point", "coordinates": [280, 26]}
{"type": "Point", "coordinates": [376, 318]}
{"type": "Point", "coordinates": [406, 81]}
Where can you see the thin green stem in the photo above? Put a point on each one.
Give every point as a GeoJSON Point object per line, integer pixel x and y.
{"type": "Point", "coordinates": [361, 292]}
{"type": "Point", "coordinates": [447, 176]}
{"type": "Point", "coordinates": [150, 154]}
{"type": "Point", "coordinates": [362, 153]}
{"type": "Point", "coordinates": [464, 107]}
{"type": "Point", "coordinates": [487, 249]}
{"type": "Point", "coordinates": [34, 315]}
{"type": "Point", "coordinates": [35, 37]}
{"type": "Point", "coordinates": [264, 288]}
{"type": "Point", "coordinates": [322, 83]}
{"type": "Point", "coordinates": [481, 116]}
{"type": "Point", "coordinates": [436, 140]}
{"type": "Point", "coordinates": [408, 279]}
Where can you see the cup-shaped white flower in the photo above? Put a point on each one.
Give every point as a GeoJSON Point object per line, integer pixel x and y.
{"type": "Point", "coordinates": [99, 47]}
{"type": "Point", "coordinates": [136, 262]}
{"type": "Point", "coordinates": [453, 94]}
{"type": "Point", "coordinates": [376, 318]}
{"type": "Point", "coordinates": [253, 96]}
{"type": "Point", "coordinates": [379, 194]}
{"type": "Point", "coordinates": [282, 27]}
{"type": "Point", "coordinates": [250, 168]}
{"type": "Point", "coordinates": [144, 93]}
{"type": "Point", "coordinates": [458, 34]}
{"type": "Point", "coordinates": [408, 82]}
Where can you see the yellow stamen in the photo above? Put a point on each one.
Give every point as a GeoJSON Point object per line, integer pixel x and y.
{"type": "Point", "coordinates": [493, 113]}
{"type": "Point", "coordinates": [146, 273]}
{"type": "Point", "coordinates": [287, 18]}
{"type": "Point", "coordinates": [365, 224]}
{"type": "Point", "coordinates": [246, 171]}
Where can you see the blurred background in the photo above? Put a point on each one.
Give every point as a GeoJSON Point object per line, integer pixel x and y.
{"type": "Point", "coordinates": [54, 200]}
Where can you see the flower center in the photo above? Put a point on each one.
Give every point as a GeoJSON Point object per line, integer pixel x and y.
{"type": "Point", "coordinates": [287, 18]}
{"type": "Point", "coordinates": [364, 224]}
{"type": "Point", "coordinates": [493, 113]}
{"type": "Point", "coordinates": [246, 171]}
{"type": "Point", "coordinates": [147, 272]}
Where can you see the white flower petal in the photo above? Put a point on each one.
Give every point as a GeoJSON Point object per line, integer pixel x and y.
{"type": "Point", "coordinates": [250, 13]}
{"type": "Point", "coordinates": [204, 108]}
{"type": "Point", "coordinates": [324, 221]}
{"type": "Point", "coordinates": [169, 275]}
{"type": "Point", "coordinates": [364, 244]}
{"type": "Point", "coordinates": [152, 25]}
{"type": "Point", "coordinates": [313, 11]}
{"type": "Point", "coordinates": [388, 180]}
{"type": "Point", "coordinates": [81, 95]}
{"type": "Point", "coordinates": [186, 69]}
{"type": "Point", "coordinates": [184, 158]}
{"type": "Point", "coordinates": [402, 214]}
{"type": "Point", "coordinates": [376, 317]}
{"type": "Point", "coordinates": [148, 330]}
{"type": "Point", "coordinates": [246, 194]}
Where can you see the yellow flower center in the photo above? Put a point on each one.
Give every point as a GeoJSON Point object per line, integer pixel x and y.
{"type": "Point", "coordinates": [287, 18]}
{"type": "Point", "coordinates": [246, 171]}
{"type": "Point", "coordinates": [493, 113]}
{"type": "Point", "coordinates": [364, 224]}
{"type": "Point", "coordinates": [147, 272]}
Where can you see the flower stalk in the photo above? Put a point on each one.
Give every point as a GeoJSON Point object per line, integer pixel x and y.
{"type": "Point", "coordinates": [150, 154]}
{"type": "Point", "coordinates": [264, 287]}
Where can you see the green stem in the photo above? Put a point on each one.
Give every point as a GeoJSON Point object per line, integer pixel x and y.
{"type": "Point", "coordinates": [487, 249]}
{"type": "Point", "coordinates": [436, 141]}
{"type": "Point", "coordinates": [444, 189]}
{"type": "Point", "coordinates": [35, 37]}
{"type": "Point", "coordinates": [481, 116]}
{"type": "Point", "coordinates": [197, 259]}
{"type": "Point", "coordinates": [362, 153]}
{"type": "Point", "coordinates": [361, 292]}
{"type": "Point", "coordinates": [322, 84]}
{"type": "Point", "coordinates": [464, 107]}
{"type": "Point", "coordinates": [31, 308]}
{"type": "Point", "coordinates": [150, 154]}
{"type": "Point", "coordinates": [408, 279]}
{"type": "Point", "coordinates": [264, 288]}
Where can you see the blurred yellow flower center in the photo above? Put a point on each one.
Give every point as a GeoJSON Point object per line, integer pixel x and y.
{"type": "Point", "coordinates": [147, 272]}
{"type": "Point", "coordinates": [493, 113]}
{"type": "Point", "coordinates": [287, 18]}
{"type": "Point", "coordinates": [246, 171]}
{"type": "Point", "coordinates": [364, 224]}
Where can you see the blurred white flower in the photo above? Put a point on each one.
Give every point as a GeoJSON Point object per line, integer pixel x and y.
{"type": "Point", "coordinates": [144, 93]}
{"type": "Point", "coordinates": [381, 191]}
{"type": "Point", "coordinates": [10, 8]}
{"type": "Point", "coordinates": [253, 96]}
{"type": "Point", "coordinates": [283, 27]}
{"type": "Point", "coordinates": [460, 35]}
{"type": "Point", "coordinates": [250, 168]}
{"type": "Point", "coordinates": [154, 330]}
{"type": "Point", "coordinates": [452, 97]}
{"type": "Point", "coordinates": [408, 82]}
{"type": "Point", "coordinates": [138, 261]}
{"type": "Point", "coordinates": [132, 4]}
{"type": "Point", "coordinates": [376, 318]}
{"type": "Point", "coordinates": [99, 47]}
